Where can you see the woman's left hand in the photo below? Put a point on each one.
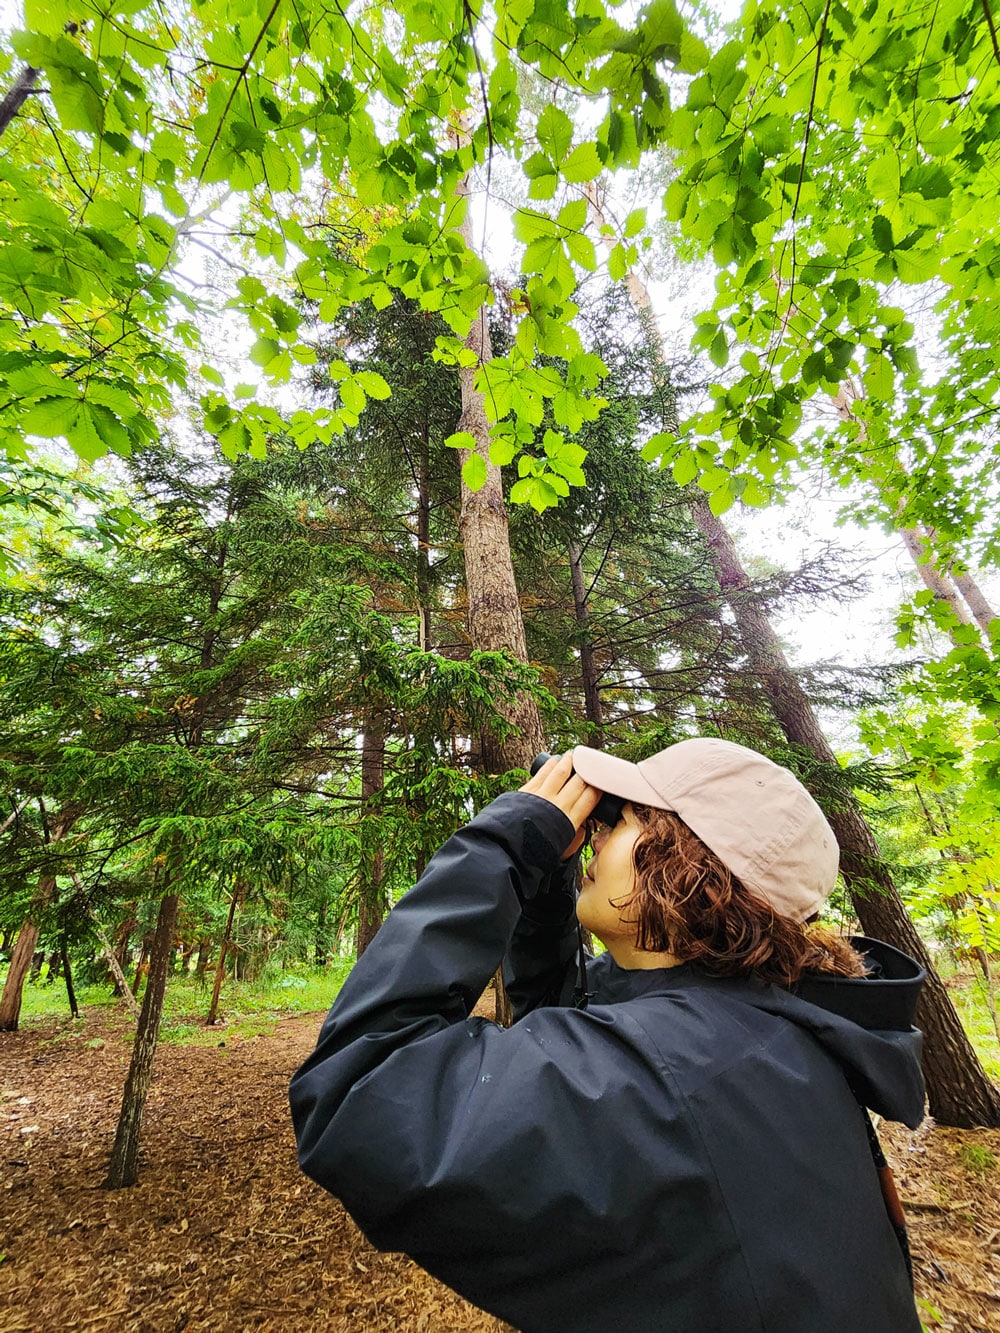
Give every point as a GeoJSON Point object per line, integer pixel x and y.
{"type": "Point", "coordinates": [556, 783]}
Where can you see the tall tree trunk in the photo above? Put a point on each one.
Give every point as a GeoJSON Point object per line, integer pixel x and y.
{"type": "Point", "coordinates": [588, 665]}
{"type": "Point", "coordinates": [424, 640]}
{"type": "Point", "coordinates": [372, 904]}
{"type": "Point", "coordinates": [123, 1168]}
{"type": "Point", "coordinates": [141, 967]}
{"type": "Point", "coordinates": [975, 599]}
{"type": "Point", "coordinates": [74, 1008]}
{"type": "Point", "coordinates": [918, 545]}
{"type": "Point", "coordinates": [27, 939]}
{"type": "Point", "coordinates": [20, 959]}
{"type": "Point", "coordinates": [955, 587]}
{"type": "Point", "coordinates": [959, 1092]}
{"type": "Point", "coordinates": [17, 95]}
{"type": "Point", "coordinates": [494, 606]}
{"type": "Point", "coordinates": [220, 971]}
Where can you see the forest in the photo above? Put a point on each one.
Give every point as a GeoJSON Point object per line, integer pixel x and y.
{"type": "Point", "coordinates": [387, 396]}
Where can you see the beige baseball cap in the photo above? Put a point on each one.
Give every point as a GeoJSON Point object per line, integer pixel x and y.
{"type": "Point", "coordinates": [755, 816]}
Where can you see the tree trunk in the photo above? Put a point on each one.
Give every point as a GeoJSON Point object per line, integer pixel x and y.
{"type": "Point", "coordinates": [124, 1163]}
{"type": "Point", "coordinates": [959, 1092]}
{"type": "Point", "coordinates": [588, 666]}
{"type": "Point", "coordinates": [975, 599]}
{"type": "Point", "coordinates": [220, 970]}
{"type": "Point", "coordinates": [141, 968]}
{"type": "Point", "coordinates": [20, 964]}
{"type": "Point", "coordinates": [18, 95]}
{"type": "Point", "coordinates": [24, 949]}
{"type": "Point", "coordinates": [74, 1008]}
{"type": "Point", "coordinates": [919, 547]}
{"type": "Point", "coordinates": [321, 945]}
{"type": "Point", "coordinates": [204, 955]}
{"type": "Point", "coordinates": [13, 816]}
{"type": "Point", "coordinates": [424, 548]}
{"type": "Point", "coordinates": [494, 607]}
{"type": "Point", "coordinates": [957, 589]}
{"type": "Point", "coordinates": [372, 905]}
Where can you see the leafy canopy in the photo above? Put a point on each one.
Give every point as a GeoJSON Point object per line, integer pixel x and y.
{"type": "Point", "coordinates": [149, 125]}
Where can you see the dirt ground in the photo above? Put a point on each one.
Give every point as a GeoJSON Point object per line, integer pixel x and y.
{"type": "Point", "coordinates": [223, 1233]}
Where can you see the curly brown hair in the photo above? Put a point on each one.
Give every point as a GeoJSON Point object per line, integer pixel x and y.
{"type": "Point", "coordinates": [687, 903]}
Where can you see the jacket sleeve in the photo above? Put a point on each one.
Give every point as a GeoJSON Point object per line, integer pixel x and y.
{"type": "Point", "coordinates": [398, 1030]}
{"type": "Point", "coordinates": [541, 964]}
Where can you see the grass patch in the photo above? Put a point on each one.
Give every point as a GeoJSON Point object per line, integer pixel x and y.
{"type": "Point", "coordinates": [977, 1159]}
{"type": "Point", "coordinates": [247, 1009]}
{"type": "Point", "coordinates": [968, 994]}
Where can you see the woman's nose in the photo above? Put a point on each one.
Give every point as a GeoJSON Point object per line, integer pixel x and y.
{"type": "Point", "coordinates": [599, 836]}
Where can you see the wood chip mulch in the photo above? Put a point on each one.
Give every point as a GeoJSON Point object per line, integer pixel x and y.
{"type": "Point", "coordinates": [223, 1233]}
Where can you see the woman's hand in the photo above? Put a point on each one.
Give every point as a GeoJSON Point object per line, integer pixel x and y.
{"type": "Point", "coordinates": [556, 783]}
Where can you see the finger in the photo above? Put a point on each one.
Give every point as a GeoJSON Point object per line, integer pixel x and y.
{"type": "Point", "coordinates": [583, 805]}
{"type": "Point", "coordinates": [542, 780]}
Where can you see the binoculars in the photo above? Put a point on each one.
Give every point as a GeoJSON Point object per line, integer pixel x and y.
{"type": "Point", "coordinates": [608, 809]}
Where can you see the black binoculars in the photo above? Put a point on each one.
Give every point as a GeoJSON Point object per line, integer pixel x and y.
{"type": "Point", "coordinates": [608, 809]}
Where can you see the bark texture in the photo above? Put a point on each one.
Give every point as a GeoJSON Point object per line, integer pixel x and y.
{"type": "Point", "coordinates": [123, 1168]}
{"type": "Point", "coordinates": [918, 545]}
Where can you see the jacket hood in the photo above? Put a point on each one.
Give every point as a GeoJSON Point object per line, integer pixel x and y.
{"type": "Point", "coordinates": [864, 1023]}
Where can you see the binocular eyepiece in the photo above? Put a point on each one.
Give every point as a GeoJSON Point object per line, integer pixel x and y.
{"type": "Point", "coordinates": [608, 809]}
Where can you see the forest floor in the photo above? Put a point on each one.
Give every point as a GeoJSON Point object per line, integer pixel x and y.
{"type": "Point", "coordinates": [223, 1233]}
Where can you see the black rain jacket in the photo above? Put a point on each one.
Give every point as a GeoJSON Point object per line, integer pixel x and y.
{"type": "Point", "coordinates": [686, 1155]}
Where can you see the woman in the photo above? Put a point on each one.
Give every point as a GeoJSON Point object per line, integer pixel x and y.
{"type": "Point", "coordinates": [682, 1151]}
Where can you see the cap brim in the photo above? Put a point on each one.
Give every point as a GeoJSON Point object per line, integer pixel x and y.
{"type": "Point", "coordinates": [616, 776]}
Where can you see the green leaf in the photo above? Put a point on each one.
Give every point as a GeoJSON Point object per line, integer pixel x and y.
{"type": "Point", "coordinates": [583, 164]}
{"type": "Point", "coordinates": [474, 472]}
{"type": "Point", "coordinates": [582, 251]}
{"type": "Point", "coordinates": [531, 226]}
{"type": "Point", "coordinates": [373, 384]}
{"type": "Point", "coordinates": [685, 468]}
{"type": "Point", "coordinates": [617, 263]}
{"type": "Point", "coordinates": [462, 439]}
{"type": "Point", "coordinates": [573, 216]}
{"type": "Point", "coordinates": [634, 223]}
{"type": "Point", "coordinates": [264, 351]}
{"type": "Point", "coordinates": [51, 418]}
{"type": "Point", "coordinates": [658, 445]}
{"type": "Point", "coordinates": [882, 233]}
{"type": "Point", "coordinates": [538, 164]}
{"type": "Point", "coordinates": [554, 132]}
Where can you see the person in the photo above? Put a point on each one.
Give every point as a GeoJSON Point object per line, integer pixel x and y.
{"type": "Point", "coordinates": [681, 1148]}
